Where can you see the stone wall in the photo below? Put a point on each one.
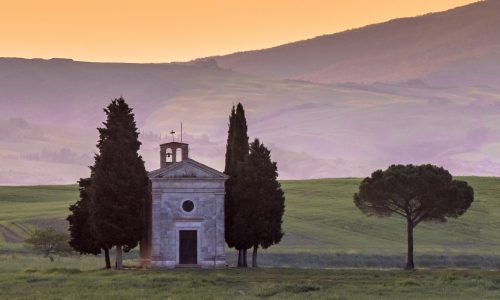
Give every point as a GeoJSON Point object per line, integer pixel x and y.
{"type": "Point", "coordinates": [168, 218]}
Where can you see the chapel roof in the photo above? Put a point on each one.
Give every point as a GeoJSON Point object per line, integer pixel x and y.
{"type": "Point", "coordinates": [187, 168]}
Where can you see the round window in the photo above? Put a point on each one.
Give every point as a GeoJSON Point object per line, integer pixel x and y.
{"type": "Point", "coordinates": [188, 206]}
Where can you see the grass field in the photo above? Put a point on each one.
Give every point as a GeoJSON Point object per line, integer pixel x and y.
{"type": "Point", "coordinates": [73, 283]}
{"type": "Point", "coordinates": [323, 228]}
{"type": "Point", "coordinates": [322, 223]}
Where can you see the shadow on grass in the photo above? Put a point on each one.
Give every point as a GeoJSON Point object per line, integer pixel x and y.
{"type": "Point", "coordinates": [308, 260]}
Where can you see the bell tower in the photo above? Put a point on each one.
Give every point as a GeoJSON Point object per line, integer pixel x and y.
{"type": "Point", "coordinates": [173, 152]}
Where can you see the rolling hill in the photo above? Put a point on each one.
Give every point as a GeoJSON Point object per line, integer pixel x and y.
{"type": "Point", "coordinates": [452, 48]}
{"type": "Point", "coordinates": [295, 103]}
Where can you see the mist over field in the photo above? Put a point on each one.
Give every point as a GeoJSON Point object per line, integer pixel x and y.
{"type": "Point", "coordinates": [336, 106]}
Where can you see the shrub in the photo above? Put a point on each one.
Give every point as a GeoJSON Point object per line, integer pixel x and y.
{"type": "Point", "coordinates": [49, 242]}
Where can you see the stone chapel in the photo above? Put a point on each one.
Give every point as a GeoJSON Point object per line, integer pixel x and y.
{"type": "Point", "coordinates": [185, 215]}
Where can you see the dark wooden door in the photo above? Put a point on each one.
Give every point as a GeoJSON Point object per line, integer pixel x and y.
{"type": "Point", "coordinates": [188, 248]}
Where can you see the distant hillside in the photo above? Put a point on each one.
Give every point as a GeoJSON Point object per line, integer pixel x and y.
{"type": "Point", "coordinates": [436, 100]}
{"type": "Point", "coordinates": [457, 47]}
{"type": "Point", "coordinates": [51, 108]}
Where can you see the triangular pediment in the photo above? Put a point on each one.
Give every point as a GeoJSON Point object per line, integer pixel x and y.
{"type": "Point", "coordinates": [187, 169]}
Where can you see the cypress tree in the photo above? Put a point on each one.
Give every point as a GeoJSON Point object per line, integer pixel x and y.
{"type": "Point", "coordinates": [239, 143]}
{"type": "Point", "coordinates": [236, 153]}
{"type": "Point", "coordinates": [243, 226]}
{"type": "Point", "coordinates": [228, 165]}
{"type": "Point", "coordinates": [82, 237]}
{"type": "Point", "coordinates": [228, 209]}
{"type": "Point", "coordinates": [264, 202]}
{"type": "Point", "coordinates": [119, 182]}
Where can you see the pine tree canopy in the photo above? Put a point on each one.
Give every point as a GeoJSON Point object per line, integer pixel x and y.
{"type": "Point", "coordinates": [416, 193]}
{"type": "Point", "coordinates": [420, 193]}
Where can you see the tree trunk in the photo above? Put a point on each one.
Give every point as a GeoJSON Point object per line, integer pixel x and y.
{"type": "Point", "coordinates": [254, 256]}
{"type": "Point", "coordinates": [119, 257]}
{"type": "Point", "coordinates": [240, 258]}
{"type": "Point", "coordinates": [106, 258]}
{"type": "Point", "coordinates": [410, 266]}
{"type": "Point", "coordinates": [245, 258]}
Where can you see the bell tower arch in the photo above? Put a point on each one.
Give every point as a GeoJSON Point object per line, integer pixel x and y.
{"type": "Point", "coordinates": [173, 152]}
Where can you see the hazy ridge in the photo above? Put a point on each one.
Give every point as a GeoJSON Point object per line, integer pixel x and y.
{"type": "Point", "coordinates": [457, 47]}
{"type": "Point", "coordinates": [435, 98]}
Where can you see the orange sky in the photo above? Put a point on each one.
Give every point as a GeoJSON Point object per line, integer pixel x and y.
{"type": "Point", "coordinates": [166, 30]}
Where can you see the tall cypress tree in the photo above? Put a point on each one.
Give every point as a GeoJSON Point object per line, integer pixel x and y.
{"type": "Point", "coordinates": [228, 165]}
{"type": "Point", "coordinates": [228, 208]}
{"type": "Point", "coordinates": [82, 237]}
{"type": "Point", "coordinates": [263, 206]}
{"type": "Point", "coordinates": [236, 153]}
{"type": "Point", "coordinates": [239, 143]}
{"type": "Point", "coordinates": [243, 225]}
{"type": "Point", "coordinates": [119, 182]}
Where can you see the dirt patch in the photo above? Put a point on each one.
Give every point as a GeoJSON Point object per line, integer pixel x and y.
{"type": "Point", "coordinates": [60, 225]}
{"type": "Point", "coordinates": [10, 236]}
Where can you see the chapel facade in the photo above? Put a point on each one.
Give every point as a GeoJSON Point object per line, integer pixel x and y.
{"type": "Point", "coordinates": [185, 215]}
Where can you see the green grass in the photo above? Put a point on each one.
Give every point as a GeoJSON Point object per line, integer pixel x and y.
{"type": "Point", "coordinates": [23, 208]}
{"type": "Point", "coordinates": [33, 279]}
{"type": "Point", "coordinates": [322, 227]}
{"type": "Point", "coordinates": [323, 230]}
{"type": "Point", "coordinates": [321, 217]}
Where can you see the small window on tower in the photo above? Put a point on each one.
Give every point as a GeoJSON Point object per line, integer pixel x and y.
{"type": "Point", "coordinates": [178, 154]}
